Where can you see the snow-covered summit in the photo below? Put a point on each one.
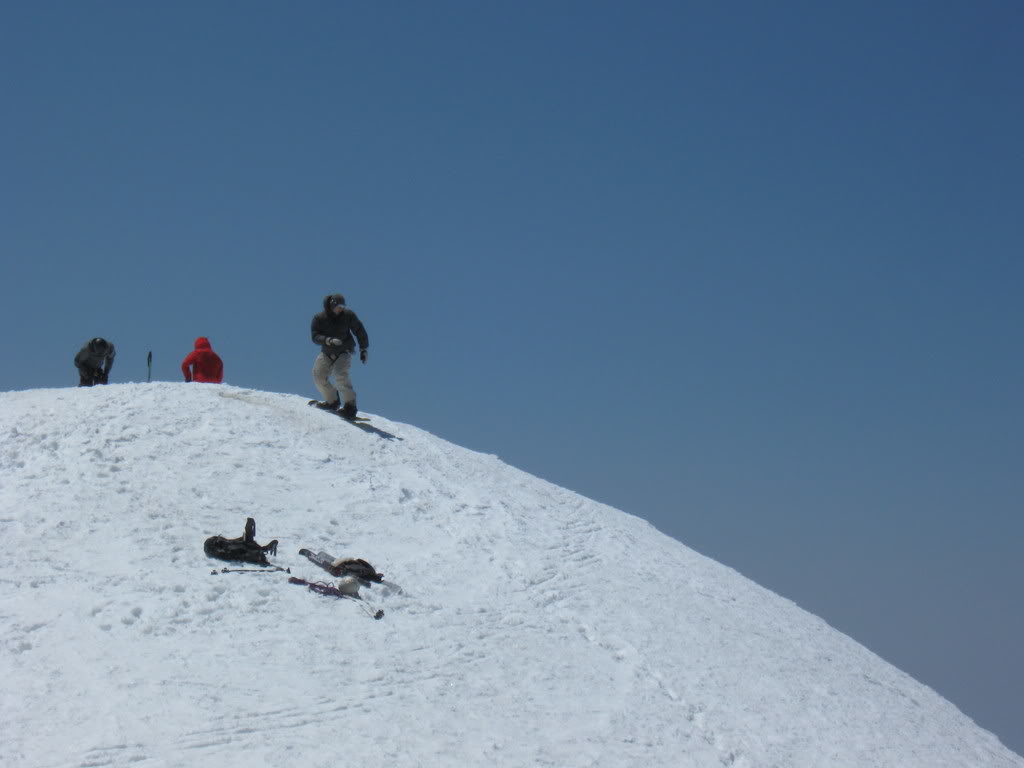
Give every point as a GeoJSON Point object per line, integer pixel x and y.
{"type": "Point", "coordinates": [535, 627]}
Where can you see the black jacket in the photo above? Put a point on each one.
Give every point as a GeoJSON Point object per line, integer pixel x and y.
{"type": "Point", "coordinates": [89, 359]}
{"type": "Point", "coordinates": [326, 325]}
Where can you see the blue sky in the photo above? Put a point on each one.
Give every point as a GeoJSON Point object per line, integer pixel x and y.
{"type": "Point", "coordinates": [751, 271]}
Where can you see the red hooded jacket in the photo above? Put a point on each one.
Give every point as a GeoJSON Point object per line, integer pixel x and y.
{"type": "Point", "coordinates": [206, 364]}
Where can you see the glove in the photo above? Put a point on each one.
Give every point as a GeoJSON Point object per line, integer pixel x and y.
{"type": "Point", "coordinates": [363, 354]}
{"type": "Point", "coordinates": [334, 342]}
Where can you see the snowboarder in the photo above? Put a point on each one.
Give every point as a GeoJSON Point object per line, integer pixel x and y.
{"type": "Point", "coordinates": [336, 330]}
{"type": "Point", "coordinates": [94, 361]}
{"type": "Point", "coordinates": [203, 364]}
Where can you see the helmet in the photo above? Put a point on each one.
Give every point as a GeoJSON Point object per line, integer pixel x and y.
{"type": "Point", "coordinates": [99, 345]}
{"type": "Point", "coordinates": [334, 300]}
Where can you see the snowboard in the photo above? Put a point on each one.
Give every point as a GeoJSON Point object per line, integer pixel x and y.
{"type": "Point", "coordinates": [354, 419]}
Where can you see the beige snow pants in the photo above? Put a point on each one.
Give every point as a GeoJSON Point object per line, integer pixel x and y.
{"type": "Point", "coordinates": [324, 367]}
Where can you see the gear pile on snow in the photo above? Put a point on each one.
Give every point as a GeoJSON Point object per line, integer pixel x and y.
{"type": "Point", "coordinates": [351, 572]}
{"type": "Point", "coordinates": [243, 549]}
{"type": "Point", "coordinates": [343, 566]}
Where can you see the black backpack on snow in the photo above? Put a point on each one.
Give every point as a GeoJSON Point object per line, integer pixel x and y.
{"type": "Point", "coordinates": [243, 549]}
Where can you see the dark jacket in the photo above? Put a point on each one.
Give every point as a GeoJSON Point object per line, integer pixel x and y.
{"type": "Point", "coordinates": [205, 364]}
{"type": "Point", "coordinates": [96, 356]}
{"type": "Point", "coordinates": [345, 326]}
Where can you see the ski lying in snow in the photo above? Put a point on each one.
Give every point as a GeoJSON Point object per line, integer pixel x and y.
{"type": "Point", "coordinates": [326, 589]}
{"type": "Point", "coordinates": [326, 562]}
{"type": "Point", "coordinates": [354, 419]}
{"type": "Point", "coordinates": [361, 569]}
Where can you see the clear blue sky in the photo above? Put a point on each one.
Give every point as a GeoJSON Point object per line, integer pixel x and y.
{"type": "Point", "coordinates": [749, 270]}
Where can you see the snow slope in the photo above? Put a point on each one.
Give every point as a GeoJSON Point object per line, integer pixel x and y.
{"type": "Point", "coordinates": [535, 627]}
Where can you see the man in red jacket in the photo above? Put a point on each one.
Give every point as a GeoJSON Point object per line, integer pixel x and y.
{"type": "Point", "coordinates": [203, 364]}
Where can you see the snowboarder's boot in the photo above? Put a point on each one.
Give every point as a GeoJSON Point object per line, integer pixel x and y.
{"type": "Point", "coordinates": [326, 406]}
{"type": "Point", "coordinates": [349, 411]}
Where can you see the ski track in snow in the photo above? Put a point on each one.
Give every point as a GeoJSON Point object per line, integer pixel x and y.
{"type": "Point", "coordinates": [534, 627]}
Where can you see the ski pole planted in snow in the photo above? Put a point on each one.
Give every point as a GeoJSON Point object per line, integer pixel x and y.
{"type": "Point", "coordinates": [149, 367]}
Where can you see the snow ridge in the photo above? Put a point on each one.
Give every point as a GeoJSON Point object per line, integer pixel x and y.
{"type": "Point", "coordinates": [534, 626]}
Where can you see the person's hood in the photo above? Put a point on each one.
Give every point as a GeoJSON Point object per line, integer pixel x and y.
{"type": "Point", "coordinates": [333, 298]}
{"type": "Point", "coordinates": [203, 343]}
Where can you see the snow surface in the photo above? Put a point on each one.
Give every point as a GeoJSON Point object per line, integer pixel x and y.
{"type": "Point", "coordinates": [534, 627]}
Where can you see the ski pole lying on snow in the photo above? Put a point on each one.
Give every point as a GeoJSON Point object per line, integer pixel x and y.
{"type": "Point", "coordinates": [326, 589]}
{"type": "Point", "coordinates": [273, 569]}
